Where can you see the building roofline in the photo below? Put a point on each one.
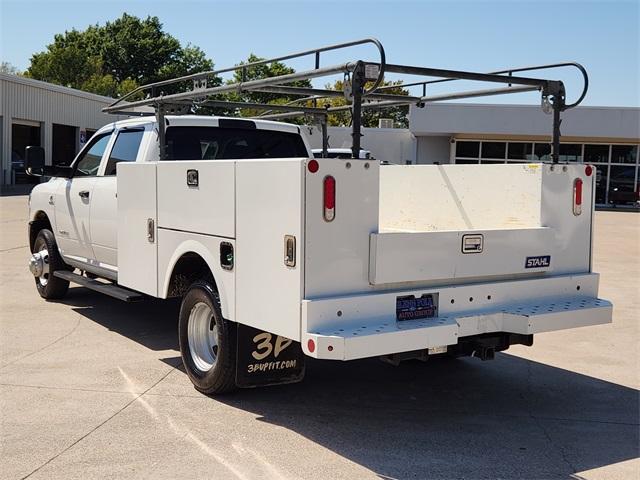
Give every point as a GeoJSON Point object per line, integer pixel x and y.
{"type": "Point", "coordinates": [55, 88]}
{"type": "Point", "coordinates": [521, 105]}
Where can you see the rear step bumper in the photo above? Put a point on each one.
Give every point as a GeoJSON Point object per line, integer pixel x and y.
{"type": "Point", "coordinates": [348, 328]}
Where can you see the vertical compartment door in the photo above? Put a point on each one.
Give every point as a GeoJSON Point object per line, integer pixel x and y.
{"type": "Point", "coordinates": [137, 254]}
{"type": "Point", "coordinates": [269, 245]}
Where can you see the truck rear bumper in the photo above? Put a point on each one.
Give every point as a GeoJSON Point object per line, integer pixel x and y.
{"type": "Point", "coordinates": [360, 326]}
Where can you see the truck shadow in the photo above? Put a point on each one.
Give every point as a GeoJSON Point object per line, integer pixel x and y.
{"type": "Point", "coordinates": [152, 323]}
{"type": "Point", "coordinates": [509, 418]}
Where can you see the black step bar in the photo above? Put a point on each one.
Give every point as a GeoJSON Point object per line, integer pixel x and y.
{"type": "Point", "coordinates": [109, 289]}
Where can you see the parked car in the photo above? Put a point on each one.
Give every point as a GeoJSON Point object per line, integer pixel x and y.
{"type": "Point", "coordinates": [341, 153]}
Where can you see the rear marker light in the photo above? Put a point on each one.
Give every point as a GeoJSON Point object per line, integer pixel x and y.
{"type": "Point", "coordinates": [577, 196]}
{"type": "Point", "coordinates": [311, 345]}
{"type": "Point", "coordinates": [588, 170]}
{"type": "Point", "coordinates": [313, 166]}
{"type": "Point", "coordinates": [329, 198]}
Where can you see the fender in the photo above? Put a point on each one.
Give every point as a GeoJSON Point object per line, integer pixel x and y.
{"type": "Point", "coordinates": [224, 279]}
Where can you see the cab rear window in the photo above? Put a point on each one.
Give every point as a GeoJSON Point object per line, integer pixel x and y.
{"type": "Point", "coordinates": [216, 143]}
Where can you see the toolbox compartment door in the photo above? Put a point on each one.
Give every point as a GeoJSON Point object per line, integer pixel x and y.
{"type": "Point", "coordinates": [137, 227]}
{"type": "Point", "coordinates": [448, 255]}
{"type": "Point", "coordinates": [269, 257]}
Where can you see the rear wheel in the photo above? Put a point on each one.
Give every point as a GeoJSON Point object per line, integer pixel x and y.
{"type": "Point", "coordinates": [207, 341]}
{"type": "Point", "coordinates": [44, 262]}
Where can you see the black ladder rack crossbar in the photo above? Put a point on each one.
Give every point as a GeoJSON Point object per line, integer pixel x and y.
{"type": "Point", "coordinates": [362, 88]}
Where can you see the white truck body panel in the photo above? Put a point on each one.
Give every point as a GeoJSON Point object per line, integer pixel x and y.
{"type": "Point", "coordinates": [269, 206]}
{"type": "Point", "coordinates": [173, 244]}
{"type": "Point", "coordinates": [436, 256]}
{"type": "Point", "coordinates": [425, 198]}
{"type": "Point", "coordinates": [337, 252]}
{"type": "Point", "coordinates": [208, 208]}
{"type": "Point", "coordinates": [137, 205]}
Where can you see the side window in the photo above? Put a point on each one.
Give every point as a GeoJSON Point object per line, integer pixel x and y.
{"type": "Point", "coordinates": [88, 164]}
{"type": "Point", "coordinates": [125, 149]}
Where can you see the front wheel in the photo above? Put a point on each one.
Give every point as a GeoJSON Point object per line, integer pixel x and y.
{"type": "Point", "coordinates": [45, 260]}
{"type": "Point", "coordinates": [207, 341]}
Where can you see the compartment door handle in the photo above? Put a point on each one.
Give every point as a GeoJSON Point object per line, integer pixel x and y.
{"type": "Point", "coordinates": [151, 230]}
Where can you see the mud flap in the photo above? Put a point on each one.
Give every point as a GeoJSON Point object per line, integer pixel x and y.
{"type": "Point", "coordinates": [267, 359]}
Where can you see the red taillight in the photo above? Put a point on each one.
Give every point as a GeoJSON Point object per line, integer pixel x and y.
{"type": "Point", "coordinates": [313, 166]}
{"type": "Point", "coordinates": [329, 198]}
{"type": "Point", "coordinates": [588, 170]}
{"type": "Point", "coordinates": [577, 196]}
{"type": "Point", "coordinates": [311, 345]}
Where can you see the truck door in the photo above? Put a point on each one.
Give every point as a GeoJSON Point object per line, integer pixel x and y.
{"type": "Point", "coordinates": [104, 208]}
{"type": "Point", "coordinates": [73, 202]}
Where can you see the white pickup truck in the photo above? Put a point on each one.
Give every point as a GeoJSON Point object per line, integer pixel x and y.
{"type": "Point", "coordinates": [276, 254]}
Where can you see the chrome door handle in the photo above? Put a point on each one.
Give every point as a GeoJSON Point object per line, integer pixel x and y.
{"type": "Point", "coordinates": [84, 193]}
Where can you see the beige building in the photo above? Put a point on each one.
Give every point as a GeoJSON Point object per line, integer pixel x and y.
{"type": "Point", "coordinates": [60, 119]}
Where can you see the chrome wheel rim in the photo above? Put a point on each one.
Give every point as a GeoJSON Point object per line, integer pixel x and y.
{"type": "Point", "coordinates": [202, 333]}
{"type": "Point", "coordinates": [41, 249]}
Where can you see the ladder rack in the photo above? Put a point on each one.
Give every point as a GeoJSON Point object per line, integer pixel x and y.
{"type": "Point", "coordinates": [203, 89]}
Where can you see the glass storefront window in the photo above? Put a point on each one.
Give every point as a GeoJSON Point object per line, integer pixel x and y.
{"type": "Point", "coordinates": [570, 152]}
{"type": "Point", "coordinates": [520, 151]}
{"type": "Point", "coordinates": [617, 174]}
{"type": "Point", "coordinates": [602, 171]}
{"type": "Point", "coordinates": [596, 153]}
{"type": "Point", "coordinates": [468, 149]}
{"type": "Point", "coordinates": [493, 149]}
{"type": "Point", "coordinates": [542, 152]}
{"type": "Point", "coordinates": [623, 188]}
{"type": "Point", "coordinates": [624, 153]}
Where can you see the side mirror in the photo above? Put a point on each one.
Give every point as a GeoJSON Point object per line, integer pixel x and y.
{"type": "Point", "coordinates": [34, 165]}
{"type": "Point", "coordinates": [34, 161]}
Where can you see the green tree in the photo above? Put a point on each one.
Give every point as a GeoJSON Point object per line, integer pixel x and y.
{"type": "Point", "coordinates": [115, 58]}
{"type": "Point", "coordinates": [267, 70]}
{"type": "Point", "coordinates": [370, 117]}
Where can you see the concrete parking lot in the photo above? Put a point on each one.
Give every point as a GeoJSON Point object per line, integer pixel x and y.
{"type": "Point", "coordinates": [93, 388]}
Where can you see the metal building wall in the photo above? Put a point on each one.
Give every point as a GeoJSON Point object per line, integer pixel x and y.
{"type": "Point", "coordinates": [27, 99]}
{"type": "Point", "coordinates": [396, 145]}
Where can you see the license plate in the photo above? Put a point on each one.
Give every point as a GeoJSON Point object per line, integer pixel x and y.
{"type": "Point", "coordinates": [408, 307]}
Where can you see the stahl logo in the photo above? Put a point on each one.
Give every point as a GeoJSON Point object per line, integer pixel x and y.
{"type": "Point", "coordinates": [541, 261]}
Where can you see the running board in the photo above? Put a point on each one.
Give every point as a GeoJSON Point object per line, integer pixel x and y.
{"type": "Point", "coordinates": [109, 289]}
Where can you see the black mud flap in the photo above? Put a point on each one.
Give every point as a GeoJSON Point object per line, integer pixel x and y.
{"type": "Point", "coordinates": [267, 359]}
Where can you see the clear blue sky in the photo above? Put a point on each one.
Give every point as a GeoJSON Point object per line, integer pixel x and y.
{"type": "Point", "coordinates": [480, 35]}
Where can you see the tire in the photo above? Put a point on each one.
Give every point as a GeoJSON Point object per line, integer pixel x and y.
{"type": "Point", "coordinates": [207, 341]}
{"type": "Point", "coordinates": [50, 287]}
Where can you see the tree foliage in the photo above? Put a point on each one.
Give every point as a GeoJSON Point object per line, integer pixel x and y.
{"type": "Point", "coordinates": [257, 72]}
{"type": "Point", "coordinates": [115, 58]}
{"type": "Point", "coordinates": [267, 70]}
{"type": "Point", "coordinates": [370, 117]}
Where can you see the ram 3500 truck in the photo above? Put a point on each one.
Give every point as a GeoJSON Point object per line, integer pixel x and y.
{"type": "Point", "coordinates": [277, 255]}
